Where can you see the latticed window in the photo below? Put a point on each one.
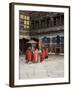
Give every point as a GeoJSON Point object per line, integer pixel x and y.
{"type": "Point", "coordinates": [54, 40]}
{"type": "Point", "coordinates": [24, 22]}
{"type": "Point", "coordinates": [62, 39]}
{"type": "Point", "coordinates": [46, 40]}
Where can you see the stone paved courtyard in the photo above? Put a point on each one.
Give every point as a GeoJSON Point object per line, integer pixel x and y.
{"type": "Point", "coordinates": [52, 67]}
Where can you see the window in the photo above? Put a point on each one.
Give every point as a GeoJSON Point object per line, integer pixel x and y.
{"type": "Point", "coordinates": [62, 39]}
{"type": "Point", "coordinates": [58, 20]}
{"type": "Point", "coordinates": [28, 18]}
{"type": "Point", "coordinates": [25, 19]}
{"type": "Point", "coordinates": [36, 24]}
{"type": "Point", "coordinates": [21, 16]}
{"type": "Point", "coordinates": [48, 22]}
{"type": "Point", "coordinates": [54, 20]}
{"type": "Point", "coordinates": [54, 40]}
{"type": "Point", "coordinates": [32, 24]}
{"type": "Point", "coordinates": [43, 23]}
{"type": "Point", "coordinates": [46, 40]}
{"type": "Point", "coordinates": [58, 39]}
{"type": "Point", "coordinates": [62, 19]}
{"type": "Point", "coordinates": [26, 22]}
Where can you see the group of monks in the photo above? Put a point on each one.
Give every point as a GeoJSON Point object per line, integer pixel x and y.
{"type": "Point", "coordinates": [32, 55]}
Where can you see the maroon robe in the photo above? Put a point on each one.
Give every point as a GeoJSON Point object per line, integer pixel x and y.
{"type": "Point", "coordinates": [46, 52]}
{"type": "Point", "coordinates": [28, 55]}
{"type": "Point", "coordinates": [42, 55]}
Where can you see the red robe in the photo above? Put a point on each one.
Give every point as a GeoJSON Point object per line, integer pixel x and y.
{"type": "Point", "coordinates": [42, 56]}
{"type": "Point", "coordinates": [28, 55]}
{"type": "Point", "coordinates": [35, 56]}
{"type": "Point", "coordinates": [46, 52]}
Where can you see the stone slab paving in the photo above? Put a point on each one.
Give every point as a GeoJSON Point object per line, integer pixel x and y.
{"type": "Point", "coordinates": [52, 67]}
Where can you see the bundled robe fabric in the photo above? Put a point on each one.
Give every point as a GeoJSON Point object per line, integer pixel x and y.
{"type": "Point", "coordinates": [35, 56]}
{"type": "Point", "coordinates": [28, 55]}
{"type": "Point", "coordinates": [42, 55]}
{"type": "Point", "coordinates": [46, 53]}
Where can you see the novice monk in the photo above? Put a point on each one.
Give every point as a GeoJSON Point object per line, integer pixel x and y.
{"type": "Point", "coordinates": [35, 55]}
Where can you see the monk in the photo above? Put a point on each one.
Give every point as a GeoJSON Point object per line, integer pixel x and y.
{"type": "Point", "coordinates": [28, 55]}
{"type": "Point", "coordinates": [46, 53]}
{"type": "Point", "coordinates": [42, 55]}
{"type": "Point", "coordinates": [35, 55]}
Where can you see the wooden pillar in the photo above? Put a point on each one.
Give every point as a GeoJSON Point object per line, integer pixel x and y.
{"type": "Point", "coordinates": [60, 19]}
{"type": "Point", "coordinates": [52, 23]}
{"type": "Point", "coordinates": [40, 43]}
{"type": "Point", "coordinates": [50, 44]}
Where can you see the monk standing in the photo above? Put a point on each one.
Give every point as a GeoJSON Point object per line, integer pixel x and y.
{"type": "Point", "coordinates": [42, 55]}
{"type": "Point", "coordinates": [46, 53]}
{"type": "Point", "coordinates": [29, 55]}
{"type": "Point", "coordinates": [35, 55]}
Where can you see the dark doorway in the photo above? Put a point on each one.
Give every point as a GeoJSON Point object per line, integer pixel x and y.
{"type": "Point", "coordinates": [23, 45]}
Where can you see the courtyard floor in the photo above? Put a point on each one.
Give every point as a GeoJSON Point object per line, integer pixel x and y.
{"type": "Point", "coordinates": [53, 67]}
